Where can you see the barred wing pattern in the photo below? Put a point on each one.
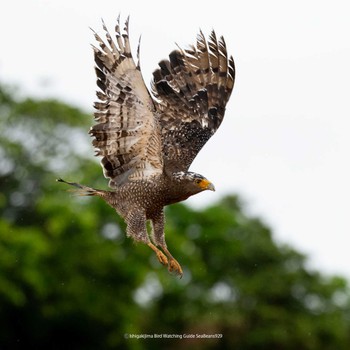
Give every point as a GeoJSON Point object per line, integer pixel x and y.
{"type": "Point", "coordinates": [140, 137]}
{"type": "Point", "coordinates": [192, 88]}
{"type": "Point", "coordinates": [127, 134]}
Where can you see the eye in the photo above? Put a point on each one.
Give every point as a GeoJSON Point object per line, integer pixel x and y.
{"type": "Point", "coordinates": [198, 181]}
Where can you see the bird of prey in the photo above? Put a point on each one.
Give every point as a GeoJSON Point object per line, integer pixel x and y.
{"type": "Point", "coordinates": [148, 140]}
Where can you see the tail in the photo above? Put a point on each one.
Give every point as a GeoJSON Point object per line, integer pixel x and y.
{"type": "Point", "coordinates": [81, 189]}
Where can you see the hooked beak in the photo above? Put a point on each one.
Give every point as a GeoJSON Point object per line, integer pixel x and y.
{"type": "Point", "coordinates": [206, 185]}
{"type": "Point", "coordinates": [211, 187]}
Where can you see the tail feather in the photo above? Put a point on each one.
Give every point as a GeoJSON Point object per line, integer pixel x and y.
{"type": "Point", "coordinates": [81, 189]}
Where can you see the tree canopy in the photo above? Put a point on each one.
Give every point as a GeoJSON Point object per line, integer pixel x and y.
{"type": "Point", "coordinates": [69, 276]}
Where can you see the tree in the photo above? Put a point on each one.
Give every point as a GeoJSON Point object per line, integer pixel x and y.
{"type": "Point", "coordinates": [67, 271]}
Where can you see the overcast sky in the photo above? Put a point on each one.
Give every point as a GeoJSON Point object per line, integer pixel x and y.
{"type": "Point", "coordinates": [284, 144]}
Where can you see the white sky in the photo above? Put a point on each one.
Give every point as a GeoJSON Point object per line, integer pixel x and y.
{"type": "Point", "coordinates": [284, 144]}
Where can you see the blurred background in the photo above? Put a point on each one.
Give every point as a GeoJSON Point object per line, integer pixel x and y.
{"type": "Point", "coordinates": [265, 258]}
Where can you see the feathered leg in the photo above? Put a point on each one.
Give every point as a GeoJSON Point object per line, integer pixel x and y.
{"type": "Point", "coordinates": [137, 229]}
{"type": "Point", "coordinates": [159, 239]}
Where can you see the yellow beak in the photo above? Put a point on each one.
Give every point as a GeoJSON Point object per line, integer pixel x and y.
{"type": "Point", "coordinates": [206, 185]}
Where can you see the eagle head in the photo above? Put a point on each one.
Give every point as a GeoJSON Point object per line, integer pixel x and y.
{"type": "Point", "coordinates": [202, 183]}
{"type": "Point", "coordinates": [193, 182]}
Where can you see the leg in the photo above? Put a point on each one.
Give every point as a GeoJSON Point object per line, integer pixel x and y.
{"type": "Point", "coordinates": [136, 228]}
{"type": "Point", "coordinates": [159, 239]}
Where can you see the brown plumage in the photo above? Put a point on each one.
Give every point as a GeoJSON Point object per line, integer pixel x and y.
{"type": "Point", "coordinates": [148, 143]}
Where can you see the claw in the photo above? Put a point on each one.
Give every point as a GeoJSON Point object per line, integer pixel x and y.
{"type": "Point", "coordinates": [175, 267]}
{"type": "Point", "coordinates": [161, 257]}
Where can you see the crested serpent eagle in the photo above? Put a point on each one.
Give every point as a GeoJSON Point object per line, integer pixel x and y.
{"type": "Point", "coordinates": [148, 141]}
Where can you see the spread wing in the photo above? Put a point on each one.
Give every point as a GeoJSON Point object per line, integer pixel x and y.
{"type": "Point", "coordinates": [127, 133]}
{"type": "Point", "coordinates": [192, 88]}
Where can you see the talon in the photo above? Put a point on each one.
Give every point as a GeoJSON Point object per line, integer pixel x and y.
{"type": "Point", "coordinates": [175, 267]}
{"type": "Point", "coordinates": [161, 257]}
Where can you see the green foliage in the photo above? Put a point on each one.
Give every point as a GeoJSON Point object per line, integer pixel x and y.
{"type": "Point", "coordinates": [67, 271]}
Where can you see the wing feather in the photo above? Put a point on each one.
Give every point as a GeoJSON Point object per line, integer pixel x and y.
{"type": "Point", "coordinates": [193, 87]}
{"type": "Point", "coordinates": [127, 134]}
